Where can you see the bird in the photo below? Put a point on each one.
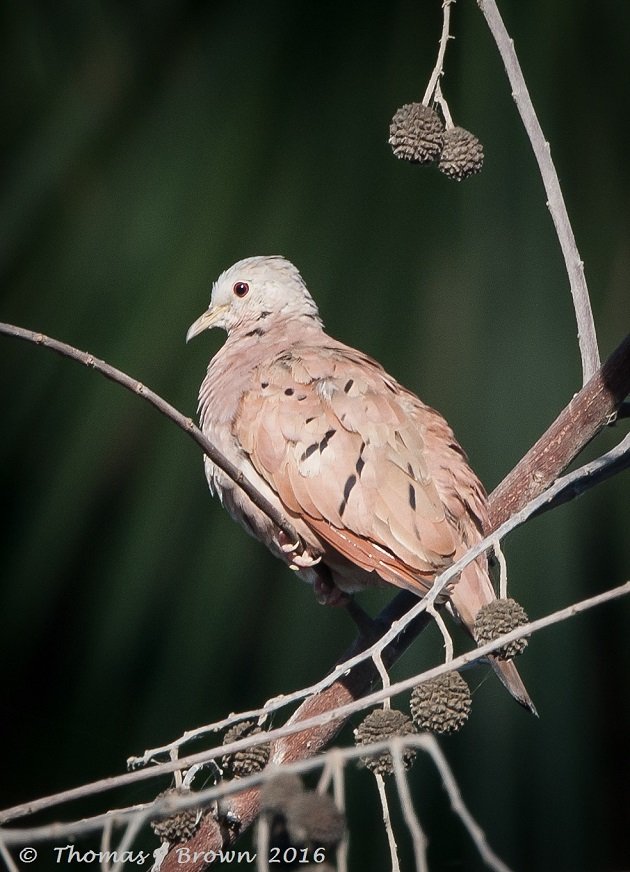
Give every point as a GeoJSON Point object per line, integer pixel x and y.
{"type": "Point", "coordinates": [372, 479]}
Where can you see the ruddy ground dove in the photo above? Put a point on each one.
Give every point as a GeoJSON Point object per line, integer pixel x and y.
{"type": "Point", "coordinates": [372, 479]}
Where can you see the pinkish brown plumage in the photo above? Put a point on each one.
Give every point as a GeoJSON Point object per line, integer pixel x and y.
{"type": "Point", "coordinates": [372, 479]}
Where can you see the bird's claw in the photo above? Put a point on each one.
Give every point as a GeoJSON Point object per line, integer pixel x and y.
{"type": "Point", "coordinates": [285, 544]}
{"type": "Point", "coordinates": [304, 560]}
{"type": "Point", "coordinates": [298, 561]}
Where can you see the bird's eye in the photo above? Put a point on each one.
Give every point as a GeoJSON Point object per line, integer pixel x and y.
{"type": "Point", "coordinates": [241, 289]}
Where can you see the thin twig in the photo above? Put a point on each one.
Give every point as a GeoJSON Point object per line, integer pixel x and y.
{"type": "Point", "coordinates": [339, 795]}
{"type": "Point", "coordinates": [457, 804]}
{"type": "Point", "coordinates": [440, 99]}
{"type": "Point", "coordinates": [387, 820]}
{"type": "Point", "coordinates": [8, 859]}
{"type": "Point", "coordinates": [419, 840]}
{"type": "Point", "coordinates": [438, 70]}
{"type": "Point", "coordinates": [186, 424]}
{"type": "Point", "coordinates": [131, 831]}
{"type": "Point", "coordinates": [555, 201]}
{"type": "Point", "coordinates": [446, 636]}
{"type": "Point", "coordinates": [262, 843]}
{"type": "Point", "coordinates": [377, 660]}
{"type": "Point", "coordinates": [498, 553]}
{"type": "Point", "coordinates": [106, 844]}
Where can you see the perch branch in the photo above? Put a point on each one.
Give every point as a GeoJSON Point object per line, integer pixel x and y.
{"type": "Point", "coordinates": [555, 201]}
{"type": "Point", "coordinates": [295, 727]}
{"type": "Point", "coordinates": [155, 400]}
{"type": "Point", "coordinates": [590, 410]}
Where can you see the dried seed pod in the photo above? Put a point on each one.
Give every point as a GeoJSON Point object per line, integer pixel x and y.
{"type": "Point", "coordinates": [442, 704]}
{"type": "Point", "coordinates": [278, 791]}
{"type": "Point", "coordinates": [462, 154]}
{"type": "Point", "coordinates": [416, 133]}
{"type": "Point", "coordinates": [178, 827]}
{"type": "Point", "coordinates": [250, 760]}
{"type": "Point", "coordinates": [313, 819]}
{"type": "Point", "coordinates": [499, 617]}
{"type": "Point", "coordinates": [383, 724]}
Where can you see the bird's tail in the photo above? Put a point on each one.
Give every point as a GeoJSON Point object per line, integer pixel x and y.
{"type": "Point", "coordinates": [474, 590]}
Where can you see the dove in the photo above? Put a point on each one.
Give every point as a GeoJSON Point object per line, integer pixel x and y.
{"type": "Point", "coordinates": [372, 479]}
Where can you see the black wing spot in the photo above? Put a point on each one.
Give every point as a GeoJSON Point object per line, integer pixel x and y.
{"type": "Point", "coordinates": [289, 392]}
{"type": "Point", "coordinates": [328, 435]}
{"type": "Point", "coordinates": [412, 497]}
{"type": "Point", "coordinates": [264, 385]}
{"type": "Point", "coordinates": [257, 331]}
{"type": "Point", "coordinates": [347, 490]}
{"type": "Point", "coordinates": [360, 461]}
{"type": "Point", "coordinates": [348, 386]}
{"type": "Point", "coordinates": [310, 450]}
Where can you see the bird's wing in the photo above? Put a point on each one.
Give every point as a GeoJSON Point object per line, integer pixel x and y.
{"type": "Point", "coordinates": [348, 451]}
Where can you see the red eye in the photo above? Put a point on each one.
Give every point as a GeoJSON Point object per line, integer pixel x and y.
{"type": "Point", "coordinates": [241, 289]}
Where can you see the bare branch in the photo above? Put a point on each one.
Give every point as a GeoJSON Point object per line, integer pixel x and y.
{"type": "Point", "coordinates": [589, 411]}
{"type": "Point", "coordinates": [242, 787]}
{"type": "Point", "coordinates": [409, 813]}
{"type": "Point", "coordinates": [457, 804]}
{"type": "Point", "coordinates": [555, 201]}
{"type": "Point", "coordinates": [438, 70]}
{"type": "Point", "coordinates": [186, 424]}
{"type": "Point", "coordinates": [387, 820]}
{"type": "Point", "coordinates": [318, 719]}
{"type": "Point", "coordinates": [404, 608]}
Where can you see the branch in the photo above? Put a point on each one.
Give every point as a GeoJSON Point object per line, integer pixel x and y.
{"type": "Point", "coordinates": [555, 201]}
{"type": "Point", "coordinates": [184, 423]}
{"type": "Point", "coordinates": [589, 411]}
{"type": "Point", "coordinates": [321, 716]}
{"type": "Point", "coordinates": [239, 787]}
{"type": "Point", "coordinates": [438, 69]}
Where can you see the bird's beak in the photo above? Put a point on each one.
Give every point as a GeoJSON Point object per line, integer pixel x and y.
{"type": "Point", "coordinates": [210, 318]}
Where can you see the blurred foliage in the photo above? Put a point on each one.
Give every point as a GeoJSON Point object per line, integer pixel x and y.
{"type": "Point", "coordinates": [146, 147]}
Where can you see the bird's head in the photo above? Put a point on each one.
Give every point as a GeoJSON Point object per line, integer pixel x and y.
{"type": "Point", "coordinates": [253, 290]}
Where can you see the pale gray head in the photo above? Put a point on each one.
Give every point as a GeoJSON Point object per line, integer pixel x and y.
{"type": "Point", "coordinates": [253, 290]}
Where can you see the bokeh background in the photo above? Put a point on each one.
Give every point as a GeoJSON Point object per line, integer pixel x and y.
{"type": "Point", "coordinates": [147, 146]}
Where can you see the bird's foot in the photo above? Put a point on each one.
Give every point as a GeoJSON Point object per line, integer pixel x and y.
{"type": "Point", "coordinates": [303, 560]}
{"type": "Point", "coordinates": [327, 593]}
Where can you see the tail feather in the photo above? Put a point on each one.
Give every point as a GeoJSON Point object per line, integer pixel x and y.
{"type": "Point", "coordinates": [508, 674]}
{"type": "Point", "coordinates": [474, 590]}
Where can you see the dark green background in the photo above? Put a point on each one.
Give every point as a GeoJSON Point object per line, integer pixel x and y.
{"type": "Point", "coordinates": [147, 146]}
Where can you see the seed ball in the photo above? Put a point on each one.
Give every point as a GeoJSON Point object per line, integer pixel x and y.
{"type": "Point", "coordinates": [249, 760]}
{"type": "Point", "coordinates": [276, 793]}
{"type": "Point", "coordinates": [441, 705]}
{"type": "Point", "coordinates": [379, 725]}
{"type": "Point", "coordinates": [499, 617]}
{"type": "Point", "coordinates": [178, 827]}
{"type": "Point", "coordinates": [462, 154]}
{"type": "Point", "coordinates": [314, 819]}
{"type": "Point", "coordinates": [416, 133]}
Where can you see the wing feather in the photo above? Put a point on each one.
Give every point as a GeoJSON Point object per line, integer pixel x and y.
{"type": "Point", "coordinates": [332, 434]}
